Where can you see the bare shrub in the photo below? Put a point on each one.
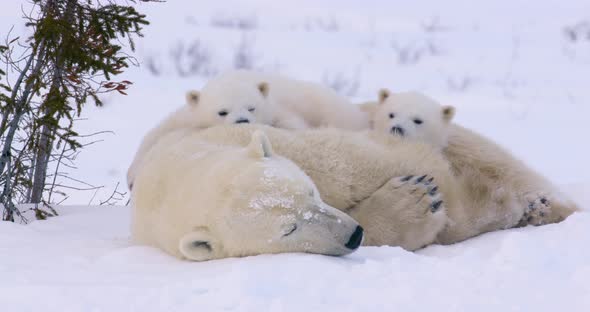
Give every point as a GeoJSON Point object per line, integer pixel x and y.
{"type": "Point", "coordinates": [433, 25]}
{"type": "Point", "coordinates": [234, 22]}
{"type": "Point", "coordinates": [244, 55]}
{"type": "Point", "coordinates": [578, 32]}
{"type": "Point", "coordinates": [460, 84]}
{"type": "Point", "coordinates": [115, 198]}
{"type": "Point", "coordinates": [346, 85]}
{"type": "Point", "coordinates": [409, 53]}
{"type": "Point", "coordinates": [153, 67]}
{"type": "Point", "coordinates": [192, 59]}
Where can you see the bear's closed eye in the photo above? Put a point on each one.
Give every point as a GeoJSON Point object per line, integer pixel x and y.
{"type": "Point", "coordinates": [292, 228]}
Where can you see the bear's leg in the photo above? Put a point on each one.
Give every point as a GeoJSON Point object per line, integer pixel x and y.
{"type": "Point", "coordinates": [406, 211]}
{"type": "Point", "coordinates": [543, 209]}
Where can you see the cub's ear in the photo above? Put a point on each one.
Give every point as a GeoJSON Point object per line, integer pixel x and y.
{"type": "Point", "coordinates": [192, 98]}
{"type": "Point", "coordinates": [448, 113]}
{"type": "Point", "coordinates": [199, 245]}
{"type": "Point", "coordinates": [259, 146]}
{"type": "Point", "coordinates": [383, 95]}
{"type": "Point", "coordinates": [263, 88]}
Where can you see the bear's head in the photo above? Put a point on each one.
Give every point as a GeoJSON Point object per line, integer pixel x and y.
{"type": "Point", "coordinates": [412, 115]}
{"type": "Point", "coordinates": [269, 205]}
{"type": "Point", "coordinates": [230, 103]}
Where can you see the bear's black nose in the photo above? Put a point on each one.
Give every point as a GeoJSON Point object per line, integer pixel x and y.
{"type": "Point", "coordinates": [242, 120]}
{"type": "Point", "coordinates": [355, 239]}
{"type": "Point", "coordinates": [397, 130]}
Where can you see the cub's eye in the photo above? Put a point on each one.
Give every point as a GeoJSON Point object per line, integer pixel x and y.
{"type": "Point", "coordinates": [418, 121]}
{"type": "Point", "coordinates": [391, 115]}
{"type": "Point", "coordinates": [251, 109]}
{"type": "Point", "coordinates": [222, 113]}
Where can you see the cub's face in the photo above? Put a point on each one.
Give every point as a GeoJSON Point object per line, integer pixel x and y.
{"type": "Point", "coordinates": [243, 104]}
{"type": "Point", "coordinates": [413, 116]}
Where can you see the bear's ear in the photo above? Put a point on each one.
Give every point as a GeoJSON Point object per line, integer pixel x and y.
{"type": "Point", "coordinates": [259, 146]}
{"type": "Point", "coordinates": [263, 88]}
{"type": "Point", "coordinates": [448, 113]}
{"type": "Point", "coordinates": [383, 95]}
{"type": "Point", "coordinates": [199, 245]}
{"type": "Point", "coordinates": [192, 98]}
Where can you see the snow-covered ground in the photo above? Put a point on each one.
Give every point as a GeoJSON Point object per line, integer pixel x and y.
{"type": "Point", "coordinates": [510, 67]}
{"type": "Point", "coordinates": [83, 261]}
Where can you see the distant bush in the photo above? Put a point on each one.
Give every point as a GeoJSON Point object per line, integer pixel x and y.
{"type": "Point", "coordinates": [578, 32]}
{"type": "Point", "coordinates": [234, 22]}
{"type": "Point", "coordinates": [342, 84]}
{"type": "Point", "coordinates": [192, 59]}
{"type": "Point", "coordinates": [244, 55]}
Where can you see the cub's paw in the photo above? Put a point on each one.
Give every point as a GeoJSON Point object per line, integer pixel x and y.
{"type": "Point", "coordinates": [423, 189]}
{"type": "Point", "coordinates": [537, 210]}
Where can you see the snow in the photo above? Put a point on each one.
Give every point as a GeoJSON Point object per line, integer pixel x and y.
{"type": "Point", "coordinates": [83, 261]}
{"type": "Point", "coordinates": [507, 66]}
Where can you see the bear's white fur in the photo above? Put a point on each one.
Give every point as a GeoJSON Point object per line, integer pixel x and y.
{"type": "Point", "coordinates": [497, 184]}
{"type": "Point", "coordinates": [200, 200]}
{"type": "Point", "coordinates": [490, 179]}
{"type": "Point", "coordinates": [315, 105]}
{"type": "Point", "coordinates": [243, 96]}
{"type": "Point", "coordinates": [407, 193]}
{"type": "Point", "coordinates": [271, 99]}
{"type": "Point", "coordinates": [411, 115]}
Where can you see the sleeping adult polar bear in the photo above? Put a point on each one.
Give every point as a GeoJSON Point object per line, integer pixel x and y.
{"type": "Point", "coordinates": [406, 193]}
{"type": "Point", "coordinates": [199, 201]}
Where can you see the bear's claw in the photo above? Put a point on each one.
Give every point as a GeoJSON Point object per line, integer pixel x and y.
{"type": "Point", "coordinates": [433, 191]}
{"type": "Point", "coordinates": [423, 187]}
{"type": "Point", "coordinates": [406, 178]}
{"type": "Point", "coordinates": [420, 179]}
{"type": "Point", "coordinates": [435, 206]}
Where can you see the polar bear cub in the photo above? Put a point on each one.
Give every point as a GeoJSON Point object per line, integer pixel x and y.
{"type": "Point", "coordinates": [230, 99]}
{"type": "Point", "coordinates": [412, 115]}
{"type": "Point", "coordinates": [200, 201]}
{"type": "Point", "coordinates": [243, 96]}
{"type": "Point", "coordinates": [492, 178]}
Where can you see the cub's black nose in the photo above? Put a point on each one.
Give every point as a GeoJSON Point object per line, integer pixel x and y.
{"type": "Point", "coordinates": [397, 130]}
{"type": "Point", "coordinates": [355, 239]}
{"type": "Point", "coordinates": [242, 120]}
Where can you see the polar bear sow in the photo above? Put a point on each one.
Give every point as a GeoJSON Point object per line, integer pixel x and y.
{"type": "Point", "coordinates": [407, 193]}
{"type": "Point", "coordinates": [200, 201]}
